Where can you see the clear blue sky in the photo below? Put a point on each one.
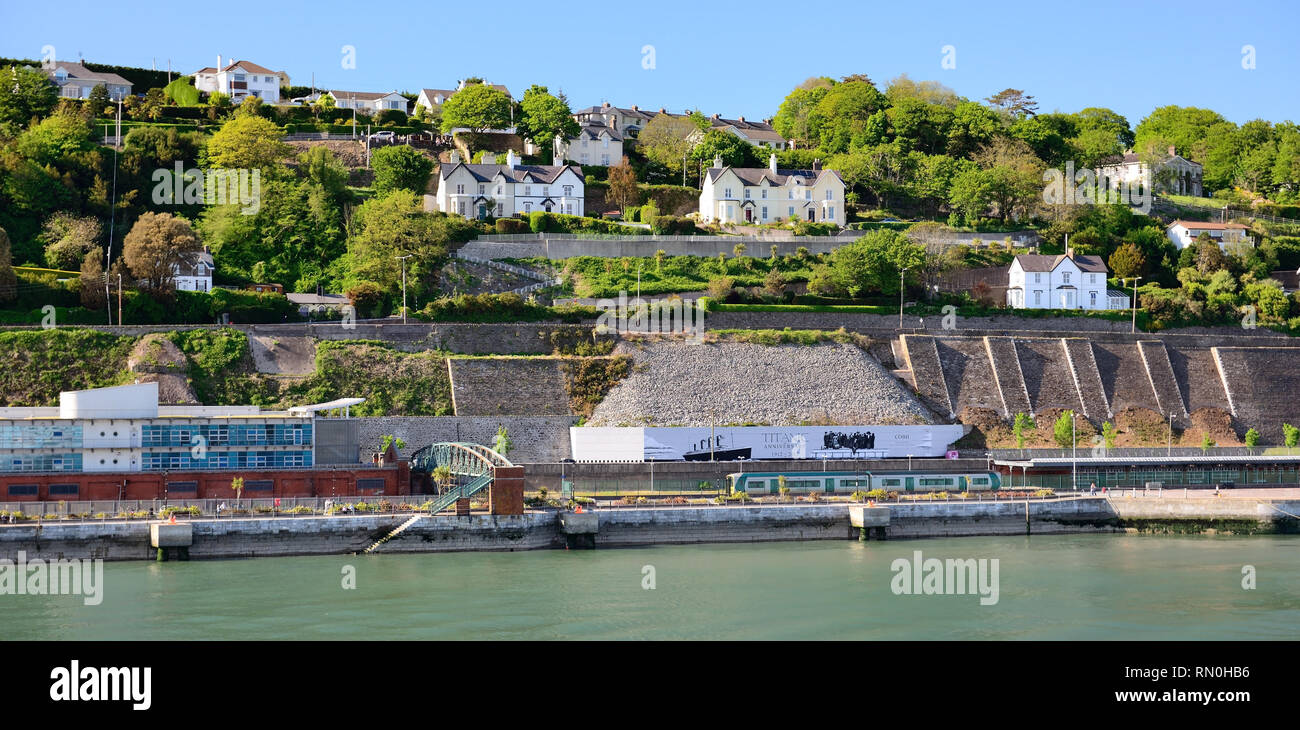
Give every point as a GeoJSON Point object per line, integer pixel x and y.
{"type": "Point", "coordinates": [1128, 56]}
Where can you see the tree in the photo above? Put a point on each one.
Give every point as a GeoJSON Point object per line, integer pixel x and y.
{"type": "Point", "coordinates": [8, 279]}
{"type": "Point", "coordinates": [501, 444]}
{"type": "Point", "coordinates": [67, 238]}
{"type": "Point", "coordinates": [1252, 438]}
{"type": "Point", "coordinates": [720, 287]}
{"type": "Point", "coordinates": [791, 120]}
{"type": "Point", "coordinates": [1014, 103]}
{"type": "Point", "coordinates": [623, 187]}
{"type": "Point", "coordinates": [733, 150]}
{"type": "Point", "coordinates": [850, 114]}
{"type": "Point", "coordinates": [92, 280]}
{"type": "Point", "coordinates": [738, 250]}
{"type": "Point", "coordinates": [871, 264]}
{"type": "Point", "coordinates": [1290, 435]}
{"type": "Point", "coordinates": [97, 102]}
{"type": "Point", "coordinates": [396, 225]}
{"type": "Point", "coordinates": [155, 246]}
{"type": "Point", "coordinates": [1127, 261]}
{"type": "Point", "coordinates": [400, 167]}
{"type": "Point", "coordinates": [182, 92]}
{"type": "Point", "coordinates": [1207, 443]}
{"type": "Point", "coordinates": [322, 167]}
{"type": "Point", "coordinates": [659, 260]}
{"type": "Point", "coordinates": [25, 93]}
{"type": "Point", "coordinates": [247, 142]}
{"type": "Point", "coordinates": [1063, 430]}
{"type": "Point", "coordinates": [667, 140]}
{"type": "Point", "coordinates": [544, 117]}
{"type": "Point", "coordinates": [774, 283]}
{"type": "Point", "coordinates": [476, 107]}
{"type": "Point", "coordinates": [237, 484]}
{"type": "Point", "coordinates": [1108, 434]}
{"type": "Point", "coordinates": [1023, 425]}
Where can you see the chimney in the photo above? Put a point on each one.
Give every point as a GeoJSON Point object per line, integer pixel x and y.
{"type": "Point", "coordinates": [605, 105]}
{"type": "Point", "coordinates": [636, 108]}
{"type": "Point", "coordinates": [662, 110]}
{"type": "Point", "coordinates": [742, 119]}
{"type": "Point", "coordinates": [455, 157]}
{"type": "Point", "coordinates": [557, 161]}
{"type": "Point", "coordinates": [717, 161]}
{"type": "Point", "coordinates": [218, 63]}
{"type": "Point", "coordinates": [817, 165]}
{"type": "Point", "coordinates": [512, 160]}
{"type": "Point", "coordinates": [771, 162]}
{"type": "Point", "coordinates": [1171, 151]}
{"type": "Point", "coordinates": [715, 116]}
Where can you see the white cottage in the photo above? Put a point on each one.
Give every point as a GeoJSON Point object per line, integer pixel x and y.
{"type": "Point", "coordinates": [1184, 233]}
{"type": "Point", "coordinates": [194, 272]}
{"type": "Point", "coordinates": [240, 80]}
{"type": "Point", "coordinates": [596, 144]}
{"type": "Point", "coordinates": [480, 191]}
{"type": "Point", "coordinates": [1037, 281]}
{"type": "Point", "coordinates": [765, 194]}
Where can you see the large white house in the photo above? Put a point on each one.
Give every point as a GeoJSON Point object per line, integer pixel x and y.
{"type": "Point", "coordinates": [480, 191]}
{"type": "Point", "coordinates": [596, 144]}
{"type": "Point", "coordinates": [1184, 233]}
{"type": "Point", "coordinates": [194, 272]}
{"type": "Point", "coordinates": [241, 79]}
{"type": "Point", "coordinates": [765, 194]}
{"type": "Point", "coordinates": [1067, 281]}
{"type": "Point", "coordinates": [366, 102]}
{"type": "Point", "coordinates": [75, 81]}
{"type": "Point", "coordinates": [1176, 174]}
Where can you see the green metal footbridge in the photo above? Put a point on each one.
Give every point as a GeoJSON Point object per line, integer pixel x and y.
{"type": "Point", "coordinates": [470, 468]}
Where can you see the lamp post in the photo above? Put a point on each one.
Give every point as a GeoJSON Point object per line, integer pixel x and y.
{"type": "Point", "coordinates": [403, 260]}
{"type": "Point", "coordinates": [112, 221]}
{"type": "Point", "coordinates": [1135, 303]}
{"type": "Point", "coordinates": [1074, 457]}
{"type": "Point", "coordinates": [1169, 446]}
{"type": "Point", "coordinates": [901, 289]}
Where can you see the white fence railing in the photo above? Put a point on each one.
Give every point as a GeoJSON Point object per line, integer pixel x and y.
{"type": "Point", "coordinates": [539, 237]}
{"type": "Point", "coordinates": [542, 280]}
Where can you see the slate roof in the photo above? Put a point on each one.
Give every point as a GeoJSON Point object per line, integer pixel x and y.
{"type": "Point", "coordinates": [544, 174]}
{"type": "Point", "coordinates": [755, 175]}
{"type": "Point", "coordinates": [78, 72]}
{"type": "Point", "coordinates": [1048, 262]}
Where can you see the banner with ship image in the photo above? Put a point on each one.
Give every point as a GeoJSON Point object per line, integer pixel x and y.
{"type": "Point", "coordinates": [732, 443]}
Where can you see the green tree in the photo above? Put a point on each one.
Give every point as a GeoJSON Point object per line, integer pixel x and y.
{"type": "Point", "coordinates": [25, 93]}
{"type": "Point", "coordinates": [237, 484]}
{"type": "Point", "coordinates": [56, 140]}
{"type": "Point", "coordinates": [1252, 438]}
{"type": "Point", "coordinates": [396, 225]}
{"type": "Point", "coordinates": [97, 103]}
{"type": "Point", "coordinates": [400, 167]}
{"type": "Point", "coordinates": [247, 142]}
{"type": "Point", "coordinates": [871, 264]}
{"type": "Point", "coordinates": [1109, 433]}
{"type": "Point", "coordinates": [792, 118]}
{"type": "Point", "coordinates": [92, 280]}
{"type": "Point", "coordinates": [667, 140]}
{"type": "Point", "coordinates": [1290, 434]}
{"type": "Point", "coordinates": [734, 151]}
{"type": "Point", "coordinates": [1127, 261]}
{"type": "Point", "coordinates": [182, 92]}
{"type": "Point", "coordinates": [8, 279]}
{"type": "Point", "coordinates": [476, 107]}
{"type": "Point", "coordinates": [1207, 443]}
{"type": "Point", "coordinates": [543, 117]}
{"type": "Point", "coordinates": [775, 282]}
{"type": "Point", "coordinates": [1023, 425]}
{"type": "Point", "coordinates": [1014, 103]}
{"type": "Point", "coordinates": [67, 238]}
{"type": "Point", "coordinates": [1063, 431]}
{"type": "Point", "coordinates": [502, 444]}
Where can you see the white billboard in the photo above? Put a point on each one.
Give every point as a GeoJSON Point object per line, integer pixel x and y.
{"type": "Point", "coordinates": [731, 443]}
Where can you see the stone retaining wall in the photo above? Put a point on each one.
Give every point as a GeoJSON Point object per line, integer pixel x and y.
{"type": "Point", "coordinates": [533, 438]}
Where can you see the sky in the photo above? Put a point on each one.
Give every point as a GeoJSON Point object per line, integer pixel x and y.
{"type": "Point", "coordinates": [732, 59]}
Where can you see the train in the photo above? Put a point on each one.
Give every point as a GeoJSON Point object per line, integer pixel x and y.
{"type": "Point", "coordinates": [846, 482]}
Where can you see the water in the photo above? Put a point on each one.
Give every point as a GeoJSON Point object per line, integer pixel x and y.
{"type": "Point", "coordinates": [1084, 587]}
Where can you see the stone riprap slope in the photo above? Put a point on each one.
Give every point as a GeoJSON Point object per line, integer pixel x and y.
{"type": "Point", "coordinates": [684, 384]}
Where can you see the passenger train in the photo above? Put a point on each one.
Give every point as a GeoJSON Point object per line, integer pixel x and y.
{"type": "Point", "coordinates": [844, 482]}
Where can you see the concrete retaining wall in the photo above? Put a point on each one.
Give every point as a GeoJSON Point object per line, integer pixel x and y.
{"type": "Point", "coordinates": [533, 438]}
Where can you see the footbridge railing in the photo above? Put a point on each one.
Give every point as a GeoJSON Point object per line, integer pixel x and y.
{"type": "Point", "coordinates": [456, 470]}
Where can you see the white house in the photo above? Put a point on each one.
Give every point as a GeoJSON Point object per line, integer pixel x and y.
{"type": "Point", "coordinates": [242, 79]}
{"type": "Point", "coordinates": [194, 272]}
{"type": "Point", "coordinates": [1184, 233]}
{"type": "Point", "coordinates": [596, 144]}
{"type": "Point", "coordinates": [75, 81]}
{"type": "Point", "coordinates": [433, 99]}
{"type": "Point", "coordinates": [759, 134]}
{"type": "Point", "coordinates": [479, 191]}
{"type": "Point", "coordinates": [1176, 174]}
{"type": "Point", "coordinates": [366, 102]}
{"type": "Point", "coordinates": [1039, 281]}
{"type": "Point", "coordinates": [627, 121]}
{"type": "Point", "coordinates": [764, 194]}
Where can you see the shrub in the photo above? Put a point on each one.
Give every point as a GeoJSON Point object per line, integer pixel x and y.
{"type": "Point", "coordinates": [542, 222]}
{"type": "Point", "coordinates": [512, 225]}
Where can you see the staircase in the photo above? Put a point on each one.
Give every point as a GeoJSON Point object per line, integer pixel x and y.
{"type": "Point", "coordinates": [1087, 378]}
{"type": "Point", "coordinates": [922, 356]}
{"type": "Point", "coordinates": [396, 531]}
{"type": "Point", "coordinates": [1155, 358]}
{"type": "Point", "coordinates": [1007, 375]}
{"type": "Point", "coordinates": [462, 492]}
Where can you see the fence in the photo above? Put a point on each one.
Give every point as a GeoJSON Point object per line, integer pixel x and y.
{"type": "Point", "coordinates": [109, 510]}
{"type": "Point", "coordinates": [542, 280]}
{"type": "Point", "coordinates": [1085, 451]}
{"type": "Point", "coordinates": [535, 237]}
{"type": "Point", "coordinates": [1226, 214]}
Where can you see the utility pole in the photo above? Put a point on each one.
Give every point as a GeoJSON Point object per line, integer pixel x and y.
{"type": "Point", "coordinates": [119, 300]}
{"type": "Point", "coordinates": [1074, 456]}
{"type": "Point", "coordinates": [1135, 305]}
{"type": "Point", "coordinates": [112, 221]}
{"type": "Point", "coordinates": [403, 260]}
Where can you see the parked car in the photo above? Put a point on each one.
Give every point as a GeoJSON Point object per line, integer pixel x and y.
{"type": "Point", "coordinates": [386, 135]}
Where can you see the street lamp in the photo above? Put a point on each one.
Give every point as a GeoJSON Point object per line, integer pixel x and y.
{"type": "Point", "coordinates": [1074, 457]}
{"type": "Point", "coordinates": [901, 288]}
{"type": "Point", "coordinates": [1135, 302]}
{"type": "Point", "coordinates": [403, 260]}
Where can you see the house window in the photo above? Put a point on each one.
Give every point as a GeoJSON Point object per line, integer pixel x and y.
{"type": "Point", "coordinates": [584, 141]}
{"type": "Point", "coordinates": [604, 160]}
{"type": "Point", "coordinates": [747, 191]}
{"type": "Point", "coordinates": [1065, 277]}
{"type": "Point", "coordinates": [528, 190]}
{"type": "Point", "coordinates": [460, 189]}
{"type": "Point", "coordinates": [528, 207]}
{"type": "Point", "coordinates": [791, 213]}
{"type": "Point", "coordinates": [546, 191]}
{"type": "Point", "coordinates": [765, 212]}
{"type": "Point", "coordinates": [462, 207]}
{"type": "Point", "coordinates": [807, 194]}
{"type": "Point", "coordinates": [568, 190]}
{"type": "Point", "coordinates": [1093, 297]}
{"type": "Point", "coordinates": [498, 210]}
{"type": "Point", "coordinates": [1038, 278]}
{"type": "Point", "coordinates": [482, 189]}
{"type": "Point", "coordinates": [1038, 298]}
{"type": "Point", "coordinates": [830, 213]}
{"type": "Point", "coordinates": [726, 193]}
{"type": "Point", "coordinates": [830, 194]}
{"type": "Point", "coordinates": [568, 208]}
{"type": "Point", "coordinates": [605, 142]}
{"type": "Point", "coordinates": [498, 190]}
{"type": "Point", "coordinates": [764, 191]}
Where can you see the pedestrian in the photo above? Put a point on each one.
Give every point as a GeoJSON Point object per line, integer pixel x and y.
{"type": "Point", "coordinates": [1092, 488]}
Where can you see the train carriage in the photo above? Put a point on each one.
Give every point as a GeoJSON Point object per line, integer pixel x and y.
{"type": "Point", "coordinates": [757, 483]}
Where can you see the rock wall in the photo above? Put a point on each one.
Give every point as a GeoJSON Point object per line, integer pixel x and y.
{"type": "Point", "coordinates": [533, 438]}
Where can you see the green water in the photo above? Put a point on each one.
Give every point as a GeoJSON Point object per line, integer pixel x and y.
{"type": "Point", "coordinates": [1067, 587]}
